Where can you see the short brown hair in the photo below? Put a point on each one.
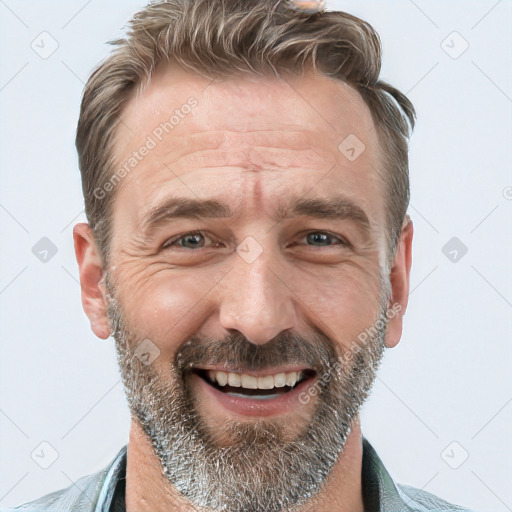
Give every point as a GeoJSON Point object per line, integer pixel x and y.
{"type": "Point", "coordinates": [222, 38]}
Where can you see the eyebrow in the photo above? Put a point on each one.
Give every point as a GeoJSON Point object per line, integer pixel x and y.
{"type": "Point", "coordinates": [184, 208]}
{"type": "Point", "coordinates": [335, 208]}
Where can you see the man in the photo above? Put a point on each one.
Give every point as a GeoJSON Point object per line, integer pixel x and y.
{"type": "Point", "coordinates": [259, 133]}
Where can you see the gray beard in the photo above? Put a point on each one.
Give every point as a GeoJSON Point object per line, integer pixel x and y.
{"type": "Point", "coordinates": [260, 471]}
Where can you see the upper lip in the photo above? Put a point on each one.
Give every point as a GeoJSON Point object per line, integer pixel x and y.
{"type": "Point", "coordinates": [257, 373]}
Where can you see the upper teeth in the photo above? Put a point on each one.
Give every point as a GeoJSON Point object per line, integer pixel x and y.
{"type": "Point", "coordinates": [244, 380]}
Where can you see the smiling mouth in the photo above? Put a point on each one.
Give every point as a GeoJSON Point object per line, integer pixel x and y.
{"type": "Point", "coordinates": [251, 386]}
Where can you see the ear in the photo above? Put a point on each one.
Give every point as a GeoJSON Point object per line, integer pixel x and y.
{"type": "Point", "coordinates": [94, 294]}
{"type": "Point", "coordinates": [399, 280]}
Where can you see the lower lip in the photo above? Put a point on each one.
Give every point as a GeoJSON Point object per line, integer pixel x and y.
{"type": "Point", "coordinates": [281, 404]}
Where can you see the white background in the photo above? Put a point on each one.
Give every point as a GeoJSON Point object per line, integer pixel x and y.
{"type": "Point", "coordinates": [448, 379]}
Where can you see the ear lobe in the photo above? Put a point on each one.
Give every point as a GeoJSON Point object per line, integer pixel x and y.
{"type": "Point", "coordinates": [94, 301]}
{"type": "Point", "coordinates": [399, 281]}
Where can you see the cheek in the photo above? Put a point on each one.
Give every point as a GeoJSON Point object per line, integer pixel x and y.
{"type": "Point", "coordinates": [166, 310]}
{"type": "Point", "coordinates": [343, 306]}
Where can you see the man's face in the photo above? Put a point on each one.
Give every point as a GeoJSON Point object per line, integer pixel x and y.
{"type": "Point", "coordinates": [255, 287]}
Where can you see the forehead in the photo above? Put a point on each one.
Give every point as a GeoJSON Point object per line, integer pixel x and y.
{"type": "Point", "coordinates": [210, 136]}
{"type": "Point", "coordinates": [247, 103]}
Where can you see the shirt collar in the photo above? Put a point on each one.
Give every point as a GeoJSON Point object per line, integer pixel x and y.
{"type": "Point", "coordinates": [379, 490]}
{"type": "Point", "coordinates": [113, 474]}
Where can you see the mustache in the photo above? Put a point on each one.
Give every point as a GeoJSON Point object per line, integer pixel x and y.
{"type": "Point", "coordinates": [317, 352]}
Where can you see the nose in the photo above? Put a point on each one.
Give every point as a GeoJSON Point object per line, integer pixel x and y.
{"type": "Point", "coordinates": [256, 302]}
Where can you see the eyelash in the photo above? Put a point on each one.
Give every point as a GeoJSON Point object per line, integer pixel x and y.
{"type": "Point", "coordinates": [169, 243]}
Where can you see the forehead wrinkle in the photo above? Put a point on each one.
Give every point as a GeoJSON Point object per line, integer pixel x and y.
{"type": "Point", "coordinates": [250, 158]}
{"type": "Point", "coordinates": [175, 145]}
{"type": "Point", "coordinates": [212, 139]}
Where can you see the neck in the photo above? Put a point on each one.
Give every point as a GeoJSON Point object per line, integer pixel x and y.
{"type": "Point", "coordinates": [147, 490]}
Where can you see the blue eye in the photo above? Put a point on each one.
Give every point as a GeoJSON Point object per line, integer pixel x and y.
{"type": "Point", "coordinates": [322, 239]}
{"type": "Point", "coordinates": [193, 240]}
{"type": "Point", "coordinates": [199, 240]}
